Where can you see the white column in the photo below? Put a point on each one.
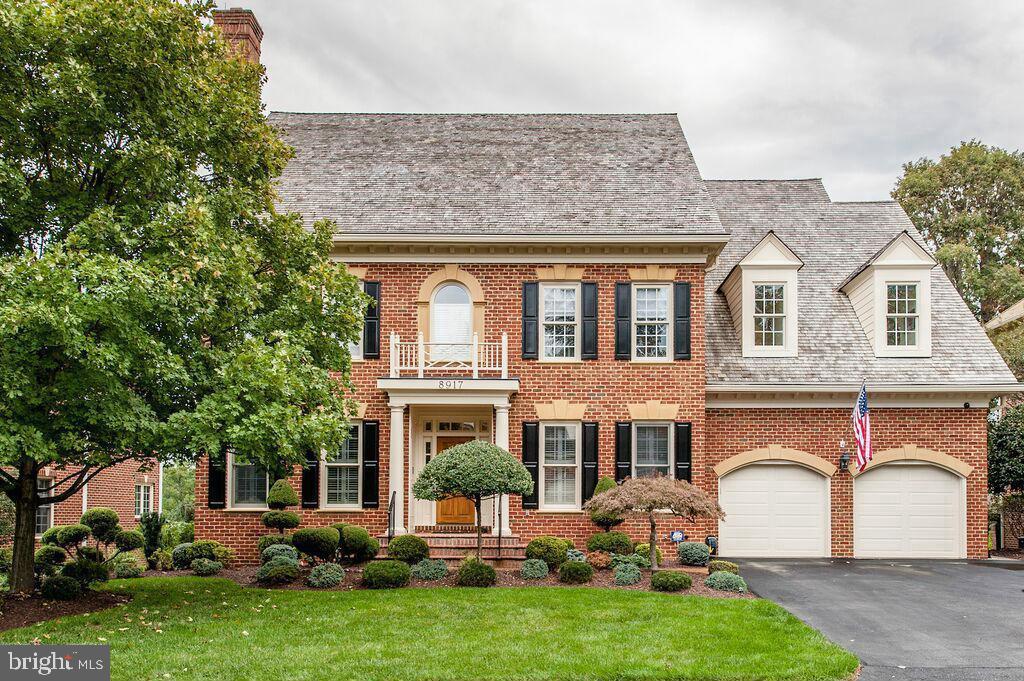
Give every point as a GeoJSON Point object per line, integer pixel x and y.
{"type": "Point", "coordinates": [396, 467]}
{"type": "Point", "coordinates": [501, 439]}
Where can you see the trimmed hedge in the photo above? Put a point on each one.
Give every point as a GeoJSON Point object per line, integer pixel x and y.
{"type": "Point", "coordinates": [475, 572]}
{"type": "Point", "coordinates": [408, 548]}
{"type": "Point", "coordinates": [326, 575]}
{"type": "Point", "coordinates": [723, 566]}
{"type": "Point", "coordinates": [726, 581]}
{"type": "Point", "coordinates": [103, 523]}
{"type": "Point", "coordinates": [61, 588]}
{"type": "Point", "coordinates": [534, 568]}
{"type": "Point", "coordinates": [129, 540]}
{"type": "Point", "coordinates": [48, 558]}
{"type": "Point", "coordinates": [275, 550]}
{"type": "Point", "coordinates": [552, 550]}
{"type": "Point", "coordinates": [575, 572]}
{"type": "Point", "coordinates": [693, 553]}
{"type": "Point", "coordinates": [72, 535]}
{"type": "Point", "coordinates": [387, 574]}
{"type": "Point", "coordinates": [670, 581]}
{"type": "Point", "coordinates": [280, 570]}
{"type": "Point", "coordinates": [272, 540]}
{"type": "Point", "coordinates": [430, 569]}
{"type": "Point", "coordinates": [86, 571]}
{"type": "Point", "coordinates": [356, 543]}
{"type": "Point", "coordinates": [280, 520]}
{"type": "Point", "coordinates": [610, 542]}
{"type": "Point", "coordinates": [204, 567]}
{"type": "Point", "coordinates": [281, 496]}
{"type": "Point", "coordinates": [320, 543]}
{"type": "Point", "coordinates": [627, 574]}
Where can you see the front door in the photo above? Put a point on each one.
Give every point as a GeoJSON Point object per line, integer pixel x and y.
{"type": "Point", "coordinates": [457, 510]}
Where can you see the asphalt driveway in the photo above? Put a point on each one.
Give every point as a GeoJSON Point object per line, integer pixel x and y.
{"type": "Point", "coordinates": [907, 620]}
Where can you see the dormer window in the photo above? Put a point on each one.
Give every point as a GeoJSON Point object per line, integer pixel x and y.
{"type": "Point", "coordinates": [770, 315]}
{"type": "Point", "coordinates": [901, 318]}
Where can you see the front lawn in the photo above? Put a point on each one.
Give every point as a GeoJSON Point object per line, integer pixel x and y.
{"type": "Point", "coordinates": [191, 627]}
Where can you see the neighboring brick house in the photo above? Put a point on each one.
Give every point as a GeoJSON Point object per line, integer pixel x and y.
{"type": "Point", "coordinates": [570, 288]}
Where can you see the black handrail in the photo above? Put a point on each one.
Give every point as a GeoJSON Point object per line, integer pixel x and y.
{"type": "Point", "coordinates": [391, 517]}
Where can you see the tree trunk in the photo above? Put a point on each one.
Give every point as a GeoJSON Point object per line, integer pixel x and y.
{"type": "Point", "coordinates": [479, 531]}
{"type": "Point", "coordinates": [22, 570]}
{"type": "Point", "coordinates": [654, 544]}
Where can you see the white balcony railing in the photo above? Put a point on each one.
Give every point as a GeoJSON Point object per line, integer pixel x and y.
{"type": "Point", "coordinates": [476, 359]}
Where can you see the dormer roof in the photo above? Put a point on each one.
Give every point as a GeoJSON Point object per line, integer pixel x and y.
{"type": "Point", "coordinates": [769, 252]}
{"type": "Point", "coordinates": [902, 251]}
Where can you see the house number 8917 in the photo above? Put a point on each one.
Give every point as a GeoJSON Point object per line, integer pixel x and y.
{"type": "Point", "coordinates": [449, 384]}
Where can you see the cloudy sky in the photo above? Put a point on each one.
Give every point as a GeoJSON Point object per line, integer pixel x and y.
{"type": "Point", "coordinates": [846, 91]}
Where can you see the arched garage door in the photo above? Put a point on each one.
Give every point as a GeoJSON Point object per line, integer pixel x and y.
{"type": "Point", "coordinates": [774, 510]}
{"type": "Point", "coordinates": [909, 511]}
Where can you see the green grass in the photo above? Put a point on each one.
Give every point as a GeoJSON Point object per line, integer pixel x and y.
{"type": "Point", "coordinates": [189, 627]}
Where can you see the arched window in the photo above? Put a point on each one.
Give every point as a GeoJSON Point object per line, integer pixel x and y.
{"type": "Point", "coordinates": [451, 323]}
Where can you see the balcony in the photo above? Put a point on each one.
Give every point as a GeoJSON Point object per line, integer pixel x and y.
{"type": "Point", "coordinates": [421, 359]}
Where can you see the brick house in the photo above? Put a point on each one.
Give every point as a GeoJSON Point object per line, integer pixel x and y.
{"type": "Point", "coordinates": [570, 288]}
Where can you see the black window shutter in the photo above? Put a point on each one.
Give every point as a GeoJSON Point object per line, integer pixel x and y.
{"type": "Point", "coordinates": [623, 342]}
{"type": "Point", "coordinates": [681, 303]}
{"type": "Point", "coordinates": [530, 312]}
{"type": "Point", "coordinates": [684, 450]}
{"type": "Point", "coordinates": [589, 329]}
{"type": "Point", "coordinates": [217, 483]}
{"type": "Point", "coordinates": [311, 480]}
{"type": "Point", "coordinates": [371, 322]}
{"type": "Point", "coordinates": [531, 449]}
{"type": "Point", "coordinates": [623, 450]}
{"type": "Point", "coordinates": [589, 459]}
{"type": "Point", "coordinates": [371, 464]}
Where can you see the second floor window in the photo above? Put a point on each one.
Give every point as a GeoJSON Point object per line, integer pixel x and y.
{"type": "Point", "coordinates": [560, 318]}
{"type": "Point", "coordinates": [451, 323]}
{"type": "Point", "coordinates": [901, 315]}
{"type": "Point", "coordinates": [341, 473]}
{"type": "Point", "coordinates": [650, 322]}
{"type": "Point", "coordinates": [770, 315]}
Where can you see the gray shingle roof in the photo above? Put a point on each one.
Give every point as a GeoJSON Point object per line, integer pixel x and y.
{"type": "Point", "coordinates": [494, 174]}
{"type": "Point", "coordinates": [833, 240]}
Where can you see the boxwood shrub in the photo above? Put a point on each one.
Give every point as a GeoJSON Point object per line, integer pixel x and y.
{"type": "Point", "coordinates": [127, 569]}
{"type": "Point", "coordinates": [272, 540]}
{"type": "Point", "coordinates": [182, 556]}
{"type": "Point", "coordinates": [693, 553]}
{"type": "Point", "coordinates": [575, 572]}
{"type": "Point", "coordinates": [48, 558]}
{"type": "Point", "coordinates": [610, 542]}
{"type": "Point", "coordinates": [534, 568]}
{"type": "Point", "coordinates": [280, 570]}
{"type": "Point", "coordinates": [281, 496]}
{"type": "Point", "coordinates": [726, 581]}
{"type": "Point", "coordinates": [85, 571]}
{"type": "Point", "coordinates": [430, 568]}
{"type": "Point", "coordinates": [387, 574]}
{"type": "Point", "coordinates": [204, 567]}
{"type": "Point", "coordinates": [723, 566]}
{"type": "Point", "coordinates": [319, 543]}
{"type": "Point", "coordinates": [280, 520]}
{"type": "Point", "coordinates": [326, 575]}
{"type": "Point", "coordinates": [475, 572]}
{"type": "Point", "coordinates": [670, 581]}
{"type": "Point", "coordinates": [103, 523]}
{"type": "Point", "coordinates": [627, 574]}
{"type": "Point", "coordinates": [275, 550]}
{"type": "Point", "coordinates": [408, 548]}
{"type": "Point", "coordinates": [644, 549]}
{"type": "Point", "coordinates": [552, 550]}
{"type": "Point", "coordinates": [61, 588]}
{"type": "Point", "coordinates": [211, 550]}
{"type": "Point", "coordinates": [72, 535]}
{"type": "Point", "coordinates": [356, 544]}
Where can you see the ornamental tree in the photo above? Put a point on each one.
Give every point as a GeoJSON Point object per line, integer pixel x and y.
{"type": "Point", "coordinates": [652, 495]}
{"type": "Point", "coordinates": [152, 301]}
{"type": "Point", "coordinates": [1006, 452]}
{"type": "Point", "coordinates": [476, 470]}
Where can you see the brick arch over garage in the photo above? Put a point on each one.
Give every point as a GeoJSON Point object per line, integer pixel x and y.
{"type": "Point", "coordinates": [775, 453]}
{"type": "Point", "coordinates": [448, 274]}
{"type": "Point", "coordinates": [915, 453]}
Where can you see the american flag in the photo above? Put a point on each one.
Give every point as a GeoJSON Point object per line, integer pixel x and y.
{"type": "Point", "coordinates": [862, 428]}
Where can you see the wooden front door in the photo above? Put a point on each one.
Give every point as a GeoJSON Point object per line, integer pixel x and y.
{"type": "Point", "coordinates": [457, 510]}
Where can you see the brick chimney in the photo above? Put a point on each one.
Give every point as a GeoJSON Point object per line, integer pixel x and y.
{"type": "Point", "coordinates": [240, 28]}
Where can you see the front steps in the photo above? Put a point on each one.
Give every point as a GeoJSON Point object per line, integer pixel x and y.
{"type": "Point", "coordinates": [454, 546]}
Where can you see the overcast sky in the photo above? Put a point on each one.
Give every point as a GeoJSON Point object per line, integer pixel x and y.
{"type": "Point", "coordinates": [846, 91]}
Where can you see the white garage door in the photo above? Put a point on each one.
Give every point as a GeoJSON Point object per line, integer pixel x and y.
{"type": "Point", "coordinates": [908, 511]}
{"type": "Point", "coordinates": [774, 510]}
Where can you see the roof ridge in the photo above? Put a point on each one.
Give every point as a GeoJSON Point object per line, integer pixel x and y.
{"type": "Point", "coordinates": [765, 179]}
{"type": "Point", "coordinates": [475, 113]}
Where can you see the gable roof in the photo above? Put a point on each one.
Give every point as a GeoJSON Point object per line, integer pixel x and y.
{"type": "Point", "coordinates": [495, 174]}
{"type": "Point", "coordinates": [903, 237]}
{"type": "Point", "coordinates": [833, 240]}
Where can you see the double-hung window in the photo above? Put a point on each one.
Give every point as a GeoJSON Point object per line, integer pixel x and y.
{"type": "Point", "coordinates": [44, 512]}
{"type": "Point", "coordinates": [143, 500]}
{"type": "Point", "coordinates": [341, 473]}
{"type": "Point", "coordinates": [651, 321]}
{"type": "Point", "coordinates": [560, 319]}
{"type": "Point", "coordinates": [249, 484]}
{"type": "Point", "coordinates": [652, 447]}
{"type": "Point", "coordinates": [560, 466]}
{"type": "Point", "coordinates": [770, 315]}
{"type": "Point", "coordinates": [901, 315]}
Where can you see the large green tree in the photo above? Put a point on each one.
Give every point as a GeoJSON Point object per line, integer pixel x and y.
{"type": "Point", "coordinates": [151, 299]}
{"type": "Point", "coordinates": [969, 205]}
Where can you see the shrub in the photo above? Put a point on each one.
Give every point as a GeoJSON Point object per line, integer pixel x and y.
{"type": "Point", "coordinates": [611, 542]}
{"type": "Point", "coordinates": [48, 558]}
{"type": "Point", "coordinates": [644, 550]}
{"type": "Point", "coordinates": [151, 525]}
{"type": "Point", "coordinates": [575, 572]}
{"type": "Point", "coordinates": [182, 556]}
{"type": "Point", "coordinates": [103, 523]}
{"type": "Point", "coordinates": [6, 559]}
{"type": "Point", "coordinates": [574, 555]}
{"type": "Point", "coordinates": [275, 550]}
{"type": "Point", "coordinates": [280, 570]}
{"type": "Point", "coordinates": [129, 540]}
{"type": "Point", "coordinates": [408, 548]}
{"type": "Point", "coordinates": [71, 535]}
{"type": "Point", "coordinates": [212, 550]}
{"type": "Point", "coordinates": [61, 588]}
{"type": "Point", "coordinates": [431, 569]}
{"type": "Point", "coordinates": [670, 581]}
{"type": "Point", "coordinates": [475, 572]}
{"type": "Point", "coordinates": [85, 571]}
{"type": "Point", "coordinates": [641, 561]}
{"type": "Point", "coordinates": [551, 550]}
{"type": "Point", "coordinates": [534, 568]}
{"type": "Point", "coordinates": [91, 553]}
{"type": "Point", "coordinates": [273, 540]}
{"type": "Point", "coordinates": [605, 521]}
{"type": "Point", "coordinates": [173, 534]}
{"type": "Point", "coordinates": [626, 574]}
{"type": "Point", "coordinates": [127, 569]}
{"type": "Point", "coordinates": [280, 520]}
{"type": "Point", "coordinates": [386, 574]}
{"type": "Point", "coordinates": [319, 543]}
{"type": "Point", "coordinates": [726, 581]}
{"type": "Point", "coordinates": [204, 567]}
{"type": "Point", "coordinates": [49, 538]}
{"type": "Point", "coordinates": [600, 560]}
{"type": "Point", "coordinates": [281, 496]}
{"type": "Point", "coordinates": [357, 544]}
{"type": "Point", "coordinates": [693, 553]}
{"type": "Point", "coordinates": [161, 560]}
{"type": "Point", "coordinates": [326, 575]}
{"type": "Point", "coordinates": [723, 566]}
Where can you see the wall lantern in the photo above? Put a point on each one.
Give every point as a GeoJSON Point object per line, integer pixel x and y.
{"type": "Point", "coordinates": [844, 456]}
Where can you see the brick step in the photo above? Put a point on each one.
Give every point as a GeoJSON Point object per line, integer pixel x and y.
{"type": "Point", "coordinates": [453, 547]}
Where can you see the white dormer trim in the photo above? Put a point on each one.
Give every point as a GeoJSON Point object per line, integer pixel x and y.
{"type": "Point", "coordinates": [770, 262]}
{"type": "Point", "coordinates": [901, 261]}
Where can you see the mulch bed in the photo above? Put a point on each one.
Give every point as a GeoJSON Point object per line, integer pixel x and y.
{"type": "Point", "coordinates": [1016, 554]}
{"type": "Point", "coordinates": [19, 611]}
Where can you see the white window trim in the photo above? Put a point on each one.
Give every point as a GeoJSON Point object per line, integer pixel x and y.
{"type": "Point", "coordinates": [578, 323]}
{"type": "Point", "coordinates": [883, 277]}
{"type": "Point", "coordinates": [784, 315]}
{"type": "Point", "coordinates": [358, 425]}
{"type": "Point", "coordinates": [671, 445]}
{"type": "Point", "coordinates": [917, 315]}
{"type": "Point", "coordinates": [577, 501]}
{"type": "Point", "coordinates": [356, 349]}
{"type": "Point", "coordinates": [230, 462]}
{"type": "Point", "coordinates": [48, 507]}
{"type": "Point", "coordinates": [142, 487]}
{"type": "Point", "coordinates": [753, 276]}
{"type": "Point", "coordinates": [669, 321]}
{"type": "Point", "coordinates": [464, 355]}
